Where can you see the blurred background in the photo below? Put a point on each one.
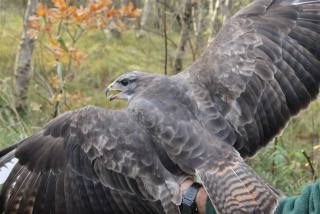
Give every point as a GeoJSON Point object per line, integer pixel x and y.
{"type": "Point", "coordinates": [58, 55]}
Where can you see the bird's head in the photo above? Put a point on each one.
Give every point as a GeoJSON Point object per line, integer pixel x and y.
{"type": "Point", "coordinates": [128, 85]}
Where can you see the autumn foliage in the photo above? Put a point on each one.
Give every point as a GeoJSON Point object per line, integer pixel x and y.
{"type": "Point", "coordinates": [66, 20]}
{"type": "Point", "coordinates": [64, 24]}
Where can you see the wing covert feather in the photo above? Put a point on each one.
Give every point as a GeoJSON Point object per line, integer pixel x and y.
{"type": "Point", "coordinates": [60, 168]}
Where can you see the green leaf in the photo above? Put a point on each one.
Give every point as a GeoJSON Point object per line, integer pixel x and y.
{"type": "Point", "coordinates": [62, 43]}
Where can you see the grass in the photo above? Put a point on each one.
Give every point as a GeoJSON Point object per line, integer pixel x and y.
{"type": "Point", "coordinates": [106, 58]}
{"type": "Point", "coordinates": [283, 165]}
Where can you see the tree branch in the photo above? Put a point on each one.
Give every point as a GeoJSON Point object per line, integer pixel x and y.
{"type": "Point", "coordinates": [313, 172]}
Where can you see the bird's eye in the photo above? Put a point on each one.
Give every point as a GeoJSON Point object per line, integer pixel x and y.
{"type": "Point", "coordinates": [124, 82]}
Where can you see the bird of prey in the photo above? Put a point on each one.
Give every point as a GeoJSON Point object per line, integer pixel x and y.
{"type": "Point", "coordinates": [262, 68]}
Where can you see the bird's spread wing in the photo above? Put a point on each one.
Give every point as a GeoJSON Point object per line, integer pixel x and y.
{"type": "Point", "coordinates": [262, 68]}
{"type": "Point", "coordinates": [89, 161]}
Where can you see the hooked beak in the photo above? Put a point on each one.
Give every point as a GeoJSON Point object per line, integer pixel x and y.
{"type": "Point", "coordinates": [115, 93]}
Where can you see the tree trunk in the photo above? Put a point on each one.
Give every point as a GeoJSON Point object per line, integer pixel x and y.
{"type": "Point", "coordinates": [225, 10]}
{"type": "Point", "coordinates": [214, 8]}
{"type": "Point", "coordinates": [2, 16]}
{"type": "Point", "coordinates": [165, 37]}
{"type": "Point", "coordinates": [147, 9]}
{"type": "Point", "coordinates": [184, 35]}
{"type": "Point", "coordinates": [23, 64]}
{"type": "Point", "coordinates": [159, 14]}
{"type": "Point", "coordinates": [201, 25]}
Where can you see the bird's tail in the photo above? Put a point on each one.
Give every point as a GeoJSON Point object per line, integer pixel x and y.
{"type": "Point", "coordinates": [235, 188]}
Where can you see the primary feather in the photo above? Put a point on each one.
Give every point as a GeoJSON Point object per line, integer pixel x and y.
{"type": "Point", "coordinates": [262, 69]}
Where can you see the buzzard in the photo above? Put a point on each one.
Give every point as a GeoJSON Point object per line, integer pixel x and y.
{"type": "Point", "coordinates": [262, 68]}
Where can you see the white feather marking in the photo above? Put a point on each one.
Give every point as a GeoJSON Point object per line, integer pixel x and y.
{"type": "Point", "coordinates": [6, 169]}
{"type": "Point", "coordinates": [298, 2]}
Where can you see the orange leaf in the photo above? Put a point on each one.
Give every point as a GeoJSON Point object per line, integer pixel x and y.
{"type": "Point", "coordinates": [61, 4]}
{"type": "Point", "coordinates": [41, 10]}
{"type": "Point", "coordinates": [82, 14]}
{"type": "Point", "coordinates": [72, 10]}
{"type": "Point", "coordinates": [130, 10]}
{"type": "Point", "coordinates": [102, 4]}
{"type": "Point", "coordinates": [135, 13]}
{"type": "Point", "coordinates": [105, 2]}
{"type": "Point", "coordinates": [95, 7]}
{"type": "Point", "coordinates": [112, 12]}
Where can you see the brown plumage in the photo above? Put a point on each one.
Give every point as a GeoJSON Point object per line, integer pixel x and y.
{"type": "Point", "coordinates": [262, 68]}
